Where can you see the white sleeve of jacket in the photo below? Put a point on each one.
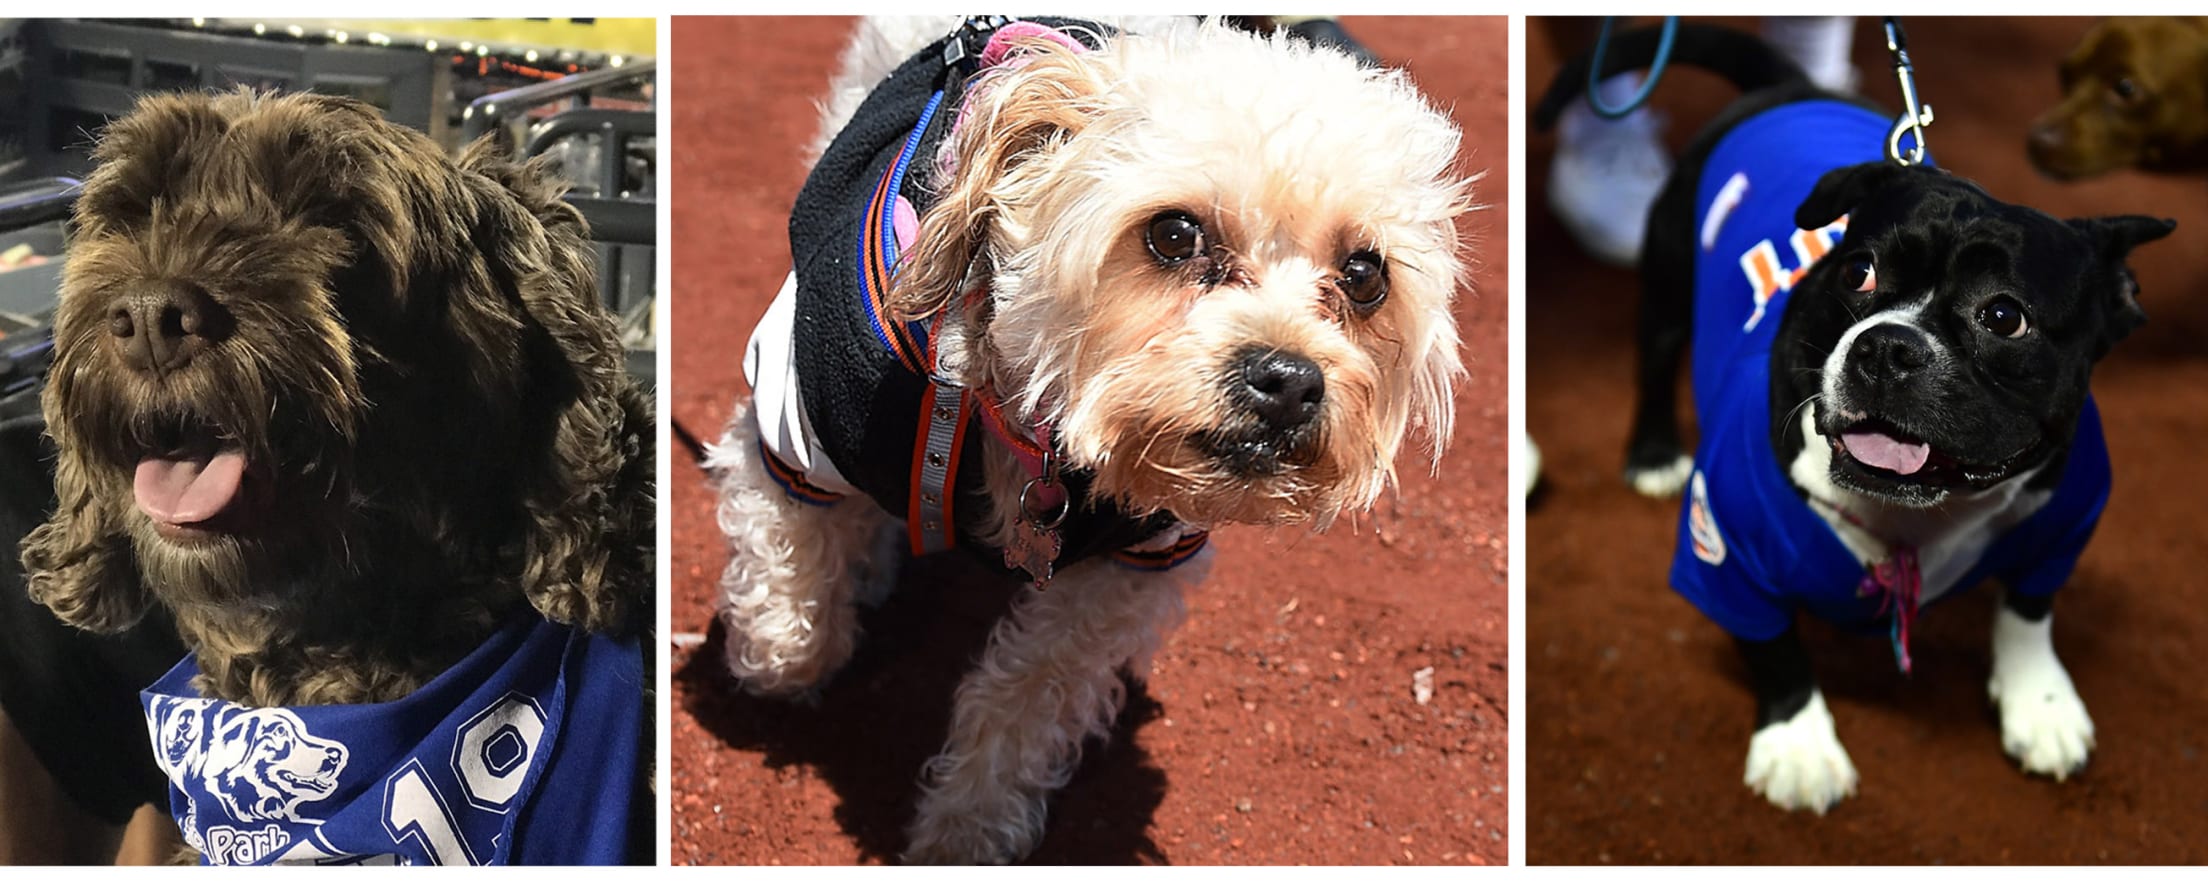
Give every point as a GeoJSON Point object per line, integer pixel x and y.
{"type": "Point", "coordinates": [770, 365]}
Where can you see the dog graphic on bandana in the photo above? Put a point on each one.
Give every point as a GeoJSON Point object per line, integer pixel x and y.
{"type": "Point", "coordinates": [260, 763]}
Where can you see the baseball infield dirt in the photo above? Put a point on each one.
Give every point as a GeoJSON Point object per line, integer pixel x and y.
{"type": "Point", "coordinates": [1279, 724]}
{"type": "Point", "coordinates": [1639, 713]}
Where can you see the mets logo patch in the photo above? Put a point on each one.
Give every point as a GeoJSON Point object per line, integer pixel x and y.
{"type": "Point", "coordinates": [1709, 545]}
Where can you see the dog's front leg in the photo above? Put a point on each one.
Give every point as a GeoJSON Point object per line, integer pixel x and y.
{"type": "Point", "coordinates": [2043, 722]}
{"type": "Point", "coordinates": [1795, 759]}
{"type": "Point", "coordinates": [1048, 680]}
{"type": "Point", "coordinates": [796, 571]}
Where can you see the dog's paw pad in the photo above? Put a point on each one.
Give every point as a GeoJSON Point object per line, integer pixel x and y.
{"type": "Point", "coordinates": [2044, 725]}
{"type": "Point", "coordinates": [1799, 764]}
{"type": "Point", "coordinates": [1660, 481]}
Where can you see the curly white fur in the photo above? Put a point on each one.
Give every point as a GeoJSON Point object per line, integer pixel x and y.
{"type": "Point", "coordinates": [795, 572]}
{"type": "Point", "coordinates": [1298, 158]}
{"type": "Point", "coordinates": [1048, 681]}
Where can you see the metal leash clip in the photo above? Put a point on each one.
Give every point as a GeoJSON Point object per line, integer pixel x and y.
{"type": "Point", "coordinates": [1914, 116]}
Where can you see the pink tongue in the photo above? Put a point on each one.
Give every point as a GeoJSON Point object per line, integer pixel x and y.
{"type": "Point", "coordinates": [1882, 451]}
{"type": "Point", "coordinates": [188, 491]}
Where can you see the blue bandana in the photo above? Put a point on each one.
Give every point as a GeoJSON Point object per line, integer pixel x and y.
{"type": "Point", "coordinates": [452, 774]}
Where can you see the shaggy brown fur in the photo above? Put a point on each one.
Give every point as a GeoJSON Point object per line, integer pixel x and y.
{"type": "Point", "coordinates": [410, 351]}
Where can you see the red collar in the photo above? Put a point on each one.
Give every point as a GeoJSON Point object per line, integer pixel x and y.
{"type": "Point", "coordinates": [1036, 455]}
{"type": "Point", "coordinates": [992, 414]}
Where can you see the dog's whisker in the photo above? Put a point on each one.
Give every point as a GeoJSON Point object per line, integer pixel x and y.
{"type": "Point", "coordinates": [1797, 409]}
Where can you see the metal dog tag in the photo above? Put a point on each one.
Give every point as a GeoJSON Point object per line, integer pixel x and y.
{"type": "Point", "coordinates": [1043, 507]}
{"type": "Point", "coordinates": [1032, 550]}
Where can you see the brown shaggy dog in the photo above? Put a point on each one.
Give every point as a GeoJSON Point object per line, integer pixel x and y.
{"type": "Point", "coordinates": [337, 400]}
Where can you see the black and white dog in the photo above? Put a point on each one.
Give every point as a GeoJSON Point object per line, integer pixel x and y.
{"type": "Point", "coordinates": [1890, 375]}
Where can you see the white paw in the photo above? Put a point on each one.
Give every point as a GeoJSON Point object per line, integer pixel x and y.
{"type": "Point", "coordinates": [1524, 451]}
{"type": "Point", "coordinates": [2043, 722]}
{"type": "Point", "coordinates": [1660, 482]}
{"type": "Point", "coordinates": [1799, 764]}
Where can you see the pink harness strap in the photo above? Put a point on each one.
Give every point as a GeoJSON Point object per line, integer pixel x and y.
{"type": "Point", "coordinates": [1000, 43]}
{"type": "Point", "coordinates": [1898, 585]}
{"type": "Point", "coordinates": [1001, 51]}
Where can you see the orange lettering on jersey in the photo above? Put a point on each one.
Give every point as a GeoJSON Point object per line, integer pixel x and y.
{"type": "Point", "coordinates": [1767, 277]}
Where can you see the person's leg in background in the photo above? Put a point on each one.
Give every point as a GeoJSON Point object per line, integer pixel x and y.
{"type": "Point", "coordinates": [1606, 172]}
{"type": "Point", "coordinates": [39, 825]}
{"type": "Point", "coordinates": [152, 838]}
{"type": "Point", "coordinates": [76, 768]}
{"type": "Point", "coordinates": [1823, 45]}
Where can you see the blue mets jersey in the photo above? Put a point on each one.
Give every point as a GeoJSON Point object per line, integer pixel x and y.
{"type": "Point", "coordinates": [1751, 551]}
{"type": "Point", "coordinates": [525, 752]}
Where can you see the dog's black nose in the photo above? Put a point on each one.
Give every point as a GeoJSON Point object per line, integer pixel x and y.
{"type": "Point", "coordinates": [1888, 354]}
{"type": "Point", "coordinates": [1283, 389]}
{"type": "Point", "coordinates": [162, 326]}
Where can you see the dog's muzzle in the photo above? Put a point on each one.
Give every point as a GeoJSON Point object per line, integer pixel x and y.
{"type": "Point", "coordinates": [1285, 391]}
{"type": "Point", "coordinates": [1883, 427]}
{"type": "Point", "coordinates": [1276, 399]}
{"type": "Point", "coordinates": [160, 328]}
{"type": "Point", "coordinates": [1886, 359]}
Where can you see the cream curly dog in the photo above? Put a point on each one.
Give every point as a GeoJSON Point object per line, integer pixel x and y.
{"type": "Point", "coordinates": [1069, 295]}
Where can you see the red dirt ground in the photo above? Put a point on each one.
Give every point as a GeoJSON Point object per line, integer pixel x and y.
{"type": "Point", "coordinates": [1279, 725]}
{"type": "Point", "coordinates": [1639, 714]}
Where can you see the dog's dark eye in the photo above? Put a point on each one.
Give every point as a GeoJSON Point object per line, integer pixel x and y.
{"type": "Point", "coordinates": [1174, 237]}
{"type": "Point", "coordinates": [2125, 90]}
{"type": "Point", "coordinates": [1364, 279]}
{"type": "Point", "coordinates": [2004, 317]}
{"type": "Point", "coordinates": [1859, 275]}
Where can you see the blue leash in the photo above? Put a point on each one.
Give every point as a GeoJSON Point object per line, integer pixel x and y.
{"type": "Point", "coordinates": [1655, 70]}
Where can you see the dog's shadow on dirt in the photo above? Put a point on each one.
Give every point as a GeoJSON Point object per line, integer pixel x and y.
{"type": "Point", "coordinates": [869, 731]}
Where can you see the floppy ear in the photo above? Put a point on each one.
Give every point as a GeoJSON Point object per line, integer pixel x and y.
{"type": "Point", "coordinates": [79, 563]}
{"type": "Point", "coordinates": [2113, 239]}
{"type": "Point", "coordinates": [587, 499]}
{"type": "Point", "coordinates": [1015, 113]}
{"type": "Point", "coordinates": [1842, 189]}
{"type": "Point", "coordinates": [137, 153]}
